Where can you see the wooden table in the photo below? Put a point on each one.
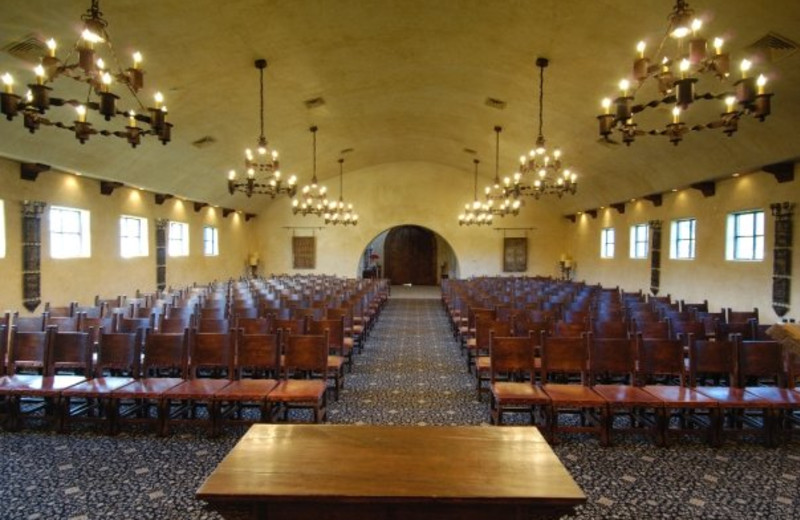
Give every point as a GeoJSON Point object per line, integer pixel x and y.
{"type": "Point", "coordinates": [327, 472]}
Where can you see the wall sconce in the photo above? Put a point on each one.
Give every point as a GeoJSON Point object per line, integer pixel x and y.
{"type": "Point", "coordinates": [567, 266]}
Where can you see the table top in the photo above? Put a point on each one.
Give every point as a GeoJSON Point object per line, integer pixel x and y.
{"type": "Point", "coordinates": [275, 462]}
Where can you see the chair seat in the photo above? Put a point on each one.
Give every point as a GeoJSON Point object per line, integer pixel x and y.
{"type": "Point", "coordinates": [298, 390]}
{"type": "Point", "coordinates": [48, 385]}
{"type": "Point", "coordinates": [483, 363]}
{"type": "Point", "coordinates": [510, 392]}
{"type": "Point", "coordinates": [147, 388]}
{"type": "Point", "coordinates": [472, 343]}
{"type": "Point", "coordinates": [335, 362]}
{"type": "Point", "coordinates": [246, 389]}
{"type": "Point", "coordinates": [779, 397]}
{"type": "Point", "coordinates": [578, 395]}
{"type": "Point", "coordinates": [729, 397]}
{"type": "Point", "coordinates": [202, 388]}
{"type": "Point", "coordinates": [680, 396]}
{"type": "Point", "coordinates": [627, 395]}
{"type": "Point", "coordinates": [8, 383]}
{"type": "Point", "coordinates": [97, 386]}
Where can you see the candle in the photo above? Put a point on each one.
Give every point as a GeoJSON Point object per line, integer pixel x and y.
{"type": "Point", "coordinates": [606, 105]}
{"type": "Point", "coordinates": [132, 118]}
{"type": "Point", "coordinates": [232, 175]}
{"type": "Point", "coordinates": [696, 25]}
{"type": "Point", "coordinates": [8, 81]}
{"type": "Point", "coordinates": [159, 97]}
{"type": "Point", "coordinates": [761, 81]}
{"type": "Point", "coordinates": [744, 67]}
{"type": "Point", "coordinates": [137, 59]}
{"type": "Point", "coordinates": [640, 49]}
{"type": "Point", "coordinates": [684, 67]}
{"type": "Point", "coordinates": [676, 112]}
{"type": "Point", "coordinates": [51, 44]}
{"type": "Point", "coordinates": [729, 101]}
{"type": "Point", "coordinates": [81, 110]}
{"type": "Point", "coordinates": [39, 71]}
{"type": "Point", "coordinates": [624, 85]}
{"type": "Point", "coordinates": [718, 45]}
{"type": "Point", "coordinates": [106, 79]}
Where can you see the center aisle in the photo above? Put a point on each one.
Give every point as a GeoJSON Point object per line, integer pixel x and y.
{"type": "Point", "coordinates": [410, 373]}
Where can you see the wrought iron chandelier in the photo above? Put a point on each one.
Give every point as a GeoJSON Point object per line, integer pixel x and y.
{"type": "Point", "coordinates": [476, 213]}
{"type": "Point", "coordinates": [499, 201]}
{"type": "Point", "coordinates": [545, 169]}
{"type": "Point", "coordinates": [90, 61]}
{"type": "Point", "coordinates": [313, 198]}
{"type": "Point", "coordinates": [340, 212]}
{"type": "Point", "coordinates": [681, 61]}
{"type": "Point", "coordinates": [262, 168]}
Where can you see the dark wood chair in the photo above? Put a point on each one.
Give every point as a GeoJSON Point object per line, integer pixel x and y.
{"type": "Point", "coordinates": [303, 382]}
{"type": "Point", "coordinates": [652, 329]}
{"type": "Point", "coordinates": [612, 360]}
{"type": "Point", "coordinates": [213, 325]}
{"type": "Point", "coordinates": [255, 375]}
{"type": "Point", "coordinates": [337, 357]}
{"type": "Point", "coordinates": [35, 323]}
{"type": "Point", "coordinates": [118, 364]}
{"type": "Point", "coordinates": [212, 352]}
{"type": "Point", "coordinates": [478, 349]}
{"type": "Point", "coordinates": [512, 378]}
{"type": "Point", "coordinates": [663, 374]}
{"type": "Point", "coordinates": [64, 323]}
{"type": "Point", "coordinates": [164, 366]}
{"type": "Point", "coordinates": [176, 325]}
{"type": "Point", "coordinates": [614, 329]}
{"type": "Point", "coordinates": [562, 329]}
{"type": "Point", "coordinates": [562, 358]}
{"type": "Point", "coordinates": [260, 325]}
{"type": "Point", "coordinates": [716, 361]}
{"type": "Point", "coordinates": [64, 311]}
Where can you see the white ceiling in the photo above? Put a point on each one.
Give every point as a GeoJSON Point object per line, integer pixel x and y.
{"type": "Point", "coordinates": [401, 80]}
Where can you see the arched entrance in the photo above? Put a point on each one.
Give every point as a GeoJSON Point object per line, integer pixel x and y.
{"type": "Point", "coordinates": [410, 256]}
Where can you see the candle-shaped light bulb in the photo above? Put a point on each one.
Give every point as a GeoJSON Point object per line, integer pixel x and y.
{"type": "Point", "coordinates": [729, 101]}
{"type": "Point", "coordinates": [624, 85]}
{"type": "Point", "coordinates": [39, 71]}
{"type": "Point", "coordinates": [251, 172]}
{"type": "Point", "coordinates": [262, 150]}
{"type": "Point", "coordinates": [640, 49]}
{"type": "Point", "coordinates": [106, 79]}
{"type": "Point", "coordinates": [159, 97]}
{"type": "Point", "coordinates": [718, 45]}
{"type": "Point", "coordinates": [745, 67]}
{"type": "Point", "coordinates": [696, 25]}
{"type": "Point", "coordinates": [137, 59]}
{"type": "Point", "coordinates": [132, 118]}
{"type": "Point", "coordinates": [51, 45]}
{"type": "Point", "coordinates": [248, 153]}
{"type": "Point", "coordinates": [761, 81]}
{"type": "Point", "coordinates": [81, 110]}
{"type": "Point", "coordinates": [676, 113]}
{"type": "Point", "coordinates": [29, 96]}
{"type": "Point", "coordinates": [8, 81]}
{"type": "Point", "coordinates": [232, 175]}
{"type": "Point", "coordinates": [101, 64]}
{"type": "Point", "coordinates": [522, 159]}
{"type": "Point", "coordinates": [684, 67]}
{"type": "Point", "coordinates": [606, 103]}
{"type": "Point", "coordinates": [557, 154]}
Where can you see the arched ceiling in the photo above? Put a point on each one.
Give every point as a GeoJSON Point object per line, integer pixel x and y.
{"type": "Point", "coordinates": [401, 81]}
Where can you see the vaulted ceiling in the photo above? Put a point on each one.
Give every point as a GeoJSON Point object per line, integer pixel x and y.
{"type": "Point", "coordinates": [402, 81]}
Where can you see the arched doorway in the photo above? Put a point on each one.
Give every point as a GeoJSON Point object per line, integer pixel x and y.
{"type": "Point", "coordinates": [410, 256]}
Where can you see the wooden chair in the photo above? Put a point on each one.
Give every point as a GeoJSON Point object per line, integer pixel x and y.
{"type": "Point", "coordinates": [615, 357]}
{"type": "Point", "coordinates": [175, 325]}
{"type": "Point", "coordinates": [210, 351]}
{"type": "Point", "coordinates": [662, 372]}
{"type": "Point", "coordinates": [261, 325]}
{"type": "Point", "coordinates": [478, 349]}
{"type": "Point", "coordinates": [610, 330]}
{"type": "Point", "coordinates": [565, 356]}
{"type": "Point", "coordinates": [303, 382]}
{"type": "Point", "coordinates": [737, 407]}
{"type": "Point", "coordinates": [255, 371]}
{"type": "Point", "coordinates": [512, 378]}
{"type": "Point", "coordinates": [213, 325]}
{"type": "Point", "coordinates": [652, 329]}
{"type": "Point", "coordinates": [65, 311]}
{"type": "Point", "coordinates": [64, 323]}
{"type": "Point", "coordinates": [562, 329]}
{"type": "Point", "coordinates": [118, 363]}
{"type": "Point", "coordinates": [67, 360]}
{"type": "Point", "coordinates": [338, 354]}
{"type": "Point", "coordinates": [164, 366]}
{"type": "Point", "coordinates": [35, 323]}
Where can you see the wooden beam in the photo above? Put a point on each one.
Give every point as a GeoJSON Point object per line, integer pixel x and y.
{"type": "Point", "coordinates": [248, 216]}
{"type": "Point", "coordinates": [572, 218]}
{"type": "Point", "coordinates": [592, 213]}
{"type": "Point", "coordinates": [162, 197]}
{"type": "Point", "coordinates": [656, 198]}
{"type": "Point", "coordinates": [199, 205]}
{"type": "Point", "coordinates": [108, 187]}
{"type": "Point", "coordinates": [783, 172]}
{"type": "Point", "coordinates": [620, 207]}
{"type": "Point", "coordinates": [30, 171]}
{"type": "Point", "coordinates": [226, 212]}
{"type": "Point", "coordinates": [707, 188]}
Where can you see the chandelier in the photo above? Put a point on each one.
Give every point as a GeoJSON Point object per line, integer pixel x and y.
{"type": "Point", "coordinates": [313, 199]}
{"type": "Point", "coordinates": [499, 201]}
{"type": "Point", "coordinates": [91, 61]}
{"type": "Point", "coordinates": [681, 60]}
{"type": "Point", "coordinates": [338, 211]}
{"type": "Point", "coordinates": [542, 166]}
{"type": "Point", "coordinates": [262, 168]}
{"type": "Point", "coordinates": [476, 213]}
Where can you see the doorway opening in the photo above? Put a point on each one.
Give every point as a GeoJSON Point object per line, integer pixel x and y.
{"type": "Point", "coordinates": [409, 255]}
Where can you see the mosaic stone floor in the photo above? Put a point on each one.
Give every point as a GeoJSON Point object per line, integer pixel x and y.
{"type": "Point", "coordinates": [411, 372]}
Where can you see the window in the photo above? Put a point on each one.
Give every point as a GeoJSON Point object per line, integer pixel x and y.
{"type": "Point", "coordinates": [178, 239]}
{"type": "Point", "coordinates": [745, 238]}
{"type": "Point", "coordinates": [607, 243]}
{"type": "Point", "coordinates": [133, 236]}
{"type": "Point", "coordinates": [210, 241]}
{"type": "Point", "coordinates": [69, 233]}
{"type": "Point", "coordinates": [639, 238]}
{"type": "Point", "coordinates": [683, 239]}
{"type": "Point", "coordinates": [2, 230]}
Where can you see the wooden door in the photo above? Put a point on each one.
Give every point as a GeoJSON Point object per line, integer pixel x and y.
{"type": "Point", "coordinates": [410, 256]}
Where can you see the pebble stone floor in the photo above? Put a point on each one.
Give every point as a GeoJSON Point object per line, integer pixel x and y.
{"type": "Point", "coordinates": [411, 372]}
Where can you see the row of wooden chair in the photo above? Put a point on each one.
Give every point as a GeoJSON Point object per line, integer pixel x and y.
{"type": "Point", "coordinates": [166, 380]}
{"type": "Point", "coordinates": [647, 381]}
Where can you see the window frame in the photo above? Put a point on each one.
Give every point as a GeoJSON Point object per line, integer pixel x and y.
{"type": "Point", "coordinates": [677, 228]}
{"type": "Point", "coordinates": [177, 246]}
{"type": "Point", "coordinates": [607, 242]}
{"type": "Point", "coordinates": [79, 241]}
{"type": "Point", "coordinates": [2, 228]}
{"type": "Point", "coordinates": [141, 240]}
{"type": "Point", "coordinates": [213, 242]}
{"type": "Point", "coordinates": [757, 238]}
{"type": "Point", "coordinates": [639, 244]}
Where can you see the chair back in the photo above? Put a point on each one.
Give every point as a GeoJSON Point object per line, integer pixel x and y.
{"type": "Point", "coordinates": [125, 324]}
{"type": "Point", "coordinates": [119, 352]}
{"type": "Point", "coordinates": [335, 330]}
{"type": "Point", "coordinates": [652, 329]}
{"type": "Point", "coordinates": [64, 323]}
{"type": "Point", "coordinates": [71, 351]}
{"type": "Point", "coordinates": [254, 325]}
{"type": "Point", "coordinates": [165, 353]}
{"type": "Point", "coordinates": [3, 348]}
{"type": "Point", "coordinates": [244, 311]}
{"type": "Point", "coordinates": [658, 358]}
{"type": "Point", "coordinates": [258, 355]}
{"type": "Point", "coordinates": [485, 327]}
{"type": "Point", "coordinates": [761, 361]}
{"type": "Point", "coordinates": [175, 325]}
{"type": "Point", "coordinates": [612, 357]}
{"type": "Point", "coordinates": [610, 330]}
{"type": "Point", "coordinates": [712, 358]}
{"type": "Point", "coordinates": [512, 356]}
{"type": "Point", "coordinates": [213, 325]}
{"type": "Point", "coordinates": [563, 329]}
{"type": "Point", "coordinates": [306, 353]}
{"type": "Point", "coordinates": [564, 355]}
{"type": "Point", "coordinates": [28, 350]}
{"type": "Point", "coordinates": [211, 350]}
{"type": "Point", "coordinates": [34, 323]}
{"type": "Point", "coordinates": [681, 329]}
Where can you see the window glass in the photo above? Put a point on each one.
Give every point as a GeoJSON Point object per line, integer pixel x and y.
{"type": "Point", "coordinates": [69, 233]}
{"type": "Point", "coordinates": [210, 241]}
{"type": "Point", "coordinates": [133, 236]}
{"type": "Point", "coordinates": [607, 243]}
{"type": "Point", "coordinates": [2, 230]}
{"type": "Point", "coordinates": [682, 243]}
{"type": "Point", "coordinates": [639, 240]}
{"type": "Point", "coordinates": [745, 236]}
{"type": "Point", "coordinates": [178, 239]}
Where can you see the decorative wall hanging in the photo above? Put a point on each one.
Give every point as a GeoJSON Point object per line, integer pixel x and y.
{"type": "Point", "coordinates": [515, 255]}
{"type": "Point", "coordinates": [655, 256]}
{"type": "Point", "coordinates": [161, 253]}
{"type": "Point", "coordinates": [782, 257]}
{"type": "Point", "coordinates": [31, 253]}
{"type": "Point", "coordinates": [303, 252]}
